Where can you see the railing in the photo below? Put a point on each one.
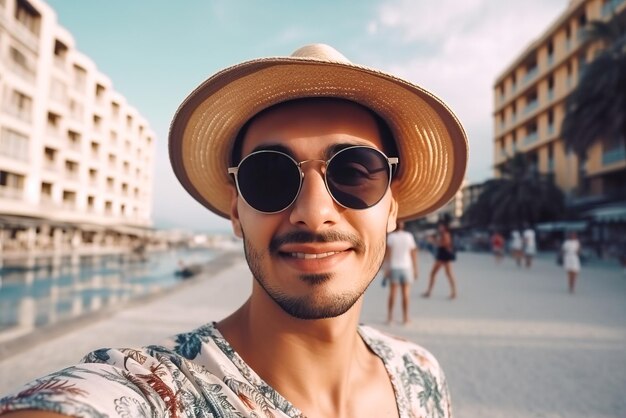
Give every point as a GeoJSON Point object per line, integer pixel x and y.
{"type": "Point", "coordinates": [550, 129]}
{"type": "Point", "coordinates": [531, 138]}
{"type": "Point", "coordinates": [610, 6]}
{"type": "Point", "coordinates": [550, 60]}
{"type": "Point", "coordinates": [24, 115]}
{"type": "Point", "coordinates": [614, 155]}
{"type": "Point", "coordinates": [531, 106]}
{"type": "Point", "coordinates": [530, 75]}
{"type": "Point", "coordinates": [550, 95]}
{"type": "Point", "coordinates": [50, 165]}
{"type": "Point", "coordinates": [7, 192]}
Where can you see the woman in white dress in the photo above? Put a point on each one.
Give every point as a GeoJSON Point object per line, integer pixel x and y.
{"type": "Point", "coordinates": [571, 260]}
{"type": "Point", "coordinates": [516, 247]}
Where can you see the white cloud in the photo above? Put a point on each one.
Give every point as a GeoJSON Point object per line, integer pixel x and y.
{"type": "Point", "coordinates": [469, 44]}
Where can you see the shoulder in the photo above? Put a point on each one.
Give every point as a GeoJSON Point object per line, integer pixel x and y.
{"type": "Point", "coordinates": [401, 352]}
{"type": "Point", "coordinates": [414, 372]}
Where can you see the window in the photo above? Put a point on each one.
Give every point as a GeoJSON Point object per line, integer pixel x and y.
{"type": "Point", "coordinates": [112, 160]}
{"type": "Point", "coordinates": [97, 123]}
{"type": "Point", "coordinates": [69, 199]}
{"type": "Point", "coordinates": [49, 158]}
{"type": "Point", "coordinates": [550, 122]}
{"type": "Point", "coordinates": [99, 91]}
{"type": "Point", "coordinates": [108, 207]}
{"type": "Point", "coordinates": [550, 53]}
{"type": "Point", "coordinates": [13, 144]}
{"type": "Point", "coordinates": [11, 185]}
{"type": "Point", "coordinates": [90, 202]}
{"type": "Point", "coordinates": [20, 106]}
{"type": "Point", "coordinates": [531, 133]}
{"type": "Point", "coordinates": [110, 184]}
{"type": "Point", "coordinates": [93, 176]}
{"type": "Point", "coordinates": [550, 88]}
{"type": "Point", "coordinates": [54, 121]}
{"type": "Point", "coordinates": [95, 148]}
{"type": "Point", "coordinates": [129, 121]}
{"type": "Point", "coordinates": [115, 110]}
{"type": "Point", "coordinates": [71, 169]}
{"type": "Point", "coordinates": [80, 78]}
{"type": "Point", "coordinates": [46, 190]}
{"type": "Point", "coordinates": [73, 140]}
{"type": "Point", "coordinates": [28, 16]}
{"type": "Point", "coordinates": [21, 65]}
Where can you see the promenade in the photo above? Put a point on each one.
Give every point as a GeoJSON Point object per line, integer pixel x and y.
{"type": "Point", "coordinates": [514, 343]}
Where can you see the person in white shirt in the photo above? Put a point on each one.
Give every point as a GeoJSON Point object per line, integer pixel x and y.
{"type": "Point", "coordinates": [571, 260]}
{"type": "Point", "coordinates": [516, 247]}
{"type": "Point", "coordinates": [401, 259]}
{"type": "Point", "coordinates": [530, 246]}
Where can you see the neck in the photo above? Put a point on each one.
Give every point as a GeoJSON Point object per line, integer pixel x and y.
{"type": "Point", "coordinates": [303, 360]}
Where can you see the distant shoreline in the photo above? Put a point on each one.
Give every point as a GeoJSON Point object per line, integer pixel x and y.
{"type": "Point", "coordinates": [223, 259]}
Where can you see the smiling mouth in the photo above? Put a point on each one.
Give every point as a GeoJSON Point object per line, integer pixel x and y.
{"type": "Point", "coordinates": [310, 256]}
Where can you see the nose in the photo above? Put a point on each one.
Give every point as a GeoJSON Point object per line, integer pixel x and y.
{"type": "Point", "coordinates": [314, 207]}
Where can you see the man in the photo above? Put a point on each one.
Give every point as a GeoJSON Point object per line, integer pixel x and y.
{"type": "Point", "coordinates": [313, 159]}
{"type": "Point", "coordinates": [401, 259]}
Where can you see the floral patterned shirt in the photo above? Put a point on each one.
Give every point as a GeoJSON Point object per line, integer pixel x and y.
{"type": "Point", "coordinates": [198, 374]}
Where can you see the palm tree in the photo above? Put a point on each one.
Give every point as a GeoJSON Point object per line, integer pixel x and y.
{"type": "Point", "coordinates": [521, 196]}
{"type": "Point", "coordinates": [597, 107]}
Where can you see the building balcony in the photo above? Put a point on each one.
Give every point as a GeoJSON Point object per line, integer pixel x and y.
{"type": "Point", "coordinates": [614, 156]}
{"type": "Point", "coordinates": [550, 60]}
{"type": "Point", "coordinates": [550, 95]}
{"type": "Point", "coordinates": [550, 129]}
{"type": "Point", "coordinates": [530, 75]}
{"type": "Point", "coordinates": [610, 7]}
{"type": "Point", "coordinates": [531, 138]}
{"type": "Point", "coordinates": [13, 193]}
{"type": "Point", "coordinates": [25, 115]}
{"type": "Point", "coordinates": [531, 107]}
{"type": "Point", "coordinates": [50, 165]}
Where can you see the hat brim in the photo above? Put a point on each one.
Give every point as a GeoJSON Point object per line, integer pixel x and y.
{"type": "Point", "coordinates": [431, 142]}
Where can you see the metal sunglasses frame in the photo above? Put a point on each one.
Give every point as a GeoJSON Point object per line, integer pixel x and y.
{"type": "Point", "coordinates": [391, 161]}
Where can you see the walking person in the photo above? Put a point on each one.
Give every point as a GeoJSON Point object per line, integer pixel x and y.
{"type": "Point", "coordinates": [530, 245]}
{"type": "Point", "coordinates": [497, 246]}
{"type": "Point", "coordinates": [401, 259]}
{"type": "Point", "coordinates": [313, 160]}
{"type": "Point", "coordinates": [571, 259]}
{"type": "Point", "coordinates": [443, 258]}
{"type": "Point", "coordinates": [516, 247]}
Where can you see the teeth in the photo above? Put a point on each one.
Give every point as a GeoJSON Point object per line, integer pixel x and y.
{"type": "Point", "coordinates": [311, 256]}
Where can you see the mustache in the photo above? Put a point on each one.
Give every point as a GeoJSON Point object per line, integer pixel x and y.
{"type": "Point", "coordinates": [306, 237]}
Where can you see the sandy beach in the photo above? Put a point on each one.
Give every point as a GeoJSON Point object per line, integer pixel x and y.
{"type": "Point", "coordinates": [514, 343]}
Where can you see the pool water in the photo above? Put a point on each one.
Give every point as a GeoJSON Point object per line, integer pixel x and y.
{"type": "Point", "coordinates": [42, 291]}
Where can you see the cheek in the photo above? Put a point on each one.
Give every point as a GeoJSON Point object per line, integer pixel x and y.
{"type": "Point", "coordinates": [258, 228]}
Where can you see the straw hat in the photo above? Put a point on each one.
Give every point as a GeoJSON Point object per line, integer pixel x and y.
{"type": "Point", "coordinates": [430, 139]}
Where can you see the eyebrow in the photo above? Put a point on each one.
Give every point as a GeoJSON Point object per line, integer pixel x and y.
{"type": "Point", "coordinates": [329, 151]}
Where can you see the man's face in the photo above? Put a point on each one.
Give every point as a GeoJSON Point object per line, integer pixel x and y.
{"type": "Point", "coordinates": [316, 258]}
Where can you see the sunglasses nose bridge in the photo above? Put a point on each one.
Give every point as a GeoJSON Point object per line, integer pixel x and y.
{"type": "Point", "coordinates": [323, 164]}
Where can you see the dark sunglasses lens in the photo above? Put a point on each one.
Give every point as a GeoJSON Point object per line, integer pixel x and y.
{"type": "Point", "coordinates": [358, 177]}
{"type": "Point", "coordinates": [268, 181]}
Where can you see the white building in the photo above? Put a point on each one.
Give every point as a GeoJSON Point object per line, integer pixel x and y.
{"type": "Point", "coordinates": [76, 160]}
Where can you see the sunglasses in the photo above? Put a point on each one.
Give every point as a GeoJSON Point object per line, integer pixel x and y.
{"type": "Point", "coordinates": [356, 177]}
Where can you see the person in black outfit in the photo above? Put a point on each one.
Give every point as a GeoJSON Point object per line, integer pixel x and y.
{"type": "Point", "coordinates": [443, 258]}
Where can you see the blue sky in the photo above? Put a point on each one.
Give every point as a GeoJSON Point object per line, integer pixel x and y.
{"type": "Point", "coordinates": [156, 52]}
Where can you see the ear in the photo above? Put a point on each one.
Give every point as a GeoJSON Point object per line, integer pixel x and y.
{"type": "Point", "coordinates": [234, 213]}
{"type": "Point", "coordinates": [393, 215]}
